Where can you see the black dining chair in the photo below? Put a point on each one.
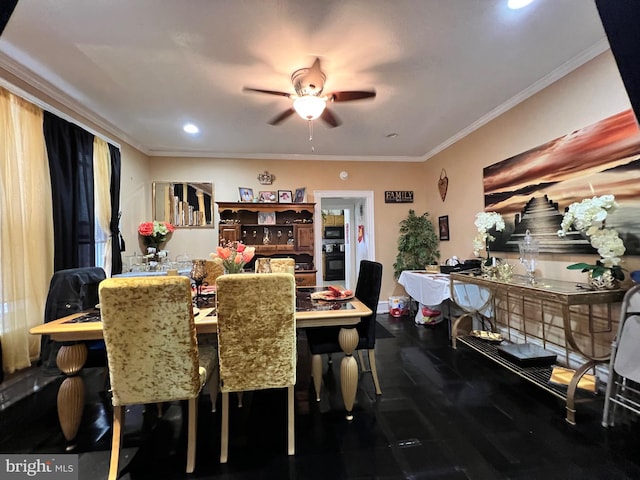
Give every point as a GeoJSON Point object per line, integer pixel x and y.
{"type": "Point", "coordinates": [324, 340]}
{"type": "Point", "coordinates": [71, 291]}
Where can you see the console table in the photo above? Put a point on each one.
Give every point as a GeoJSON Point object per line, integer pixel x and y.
{"type": "Point", "coordinates": [567, 318]}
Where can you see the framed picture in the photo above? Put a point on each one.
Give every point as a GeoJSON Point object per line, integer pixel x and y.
{"type": "Point", "coordinates": [266, 218]}
{"type": "Point", "coordinates": [443, 227]}
{"type": "Point", "coordinates": [246, 194]}
{"type": "Point", "coordinates": [285, 196]}
{"type": "Point", "coordinates": [299, 196]}
{"type": "Point", "coordinates": [268, 197]}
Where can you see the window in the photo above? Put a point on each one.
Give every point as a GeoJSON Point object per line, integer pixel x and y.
{"type": "Point", "coordinates": [101, 244]}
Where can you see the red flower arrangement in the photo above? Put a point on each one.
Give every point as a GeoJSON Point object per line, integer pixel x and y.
{"type": "Point", "coordinates": [155, 233]}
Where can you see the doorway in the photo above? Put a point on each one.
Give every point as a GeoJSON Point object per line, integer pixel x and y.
{"type": "Point", "coordinates": [359, 238]}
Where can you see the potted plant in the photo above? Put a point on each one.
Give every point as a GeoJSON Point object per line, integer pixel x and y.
{"type": "Point", "coordinates": [417, 244]}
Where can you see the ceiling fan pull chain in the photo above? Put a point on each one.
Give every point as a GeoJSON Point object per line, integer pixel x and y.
{"type": "Point", "coordinates": [311, 135]}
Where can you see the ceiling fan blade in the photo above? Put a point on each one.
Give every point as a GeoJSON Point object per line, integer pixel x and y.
{"type": "Point", "coordinates": [282, 117]}
{"type": "Point", "coordinates": [354, 95]}
{"type": "Point", "coordinates": [270, 92]}
{"type": "Point", "coordinates": [330, 118]}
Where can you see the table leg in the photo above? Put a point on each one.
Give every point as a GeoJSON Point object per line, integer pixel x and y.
{"type": "Point", "coordinates": [70, 360]}
{"type": "Point", "coordinates": [571, 391]}
{"type": "Point", "coordinates": [348, 340]}
{"type": "Point", "coordinates": [468, 325]}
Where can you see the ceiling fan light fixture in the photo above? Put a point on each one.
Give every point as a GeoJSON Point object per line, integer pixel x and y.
{"type": "Point", "coordinates": [517, 4]}
{"type": "Point", "coordinates": [190, 128]}
{"type": "Point", "coordinates": [309, 107]}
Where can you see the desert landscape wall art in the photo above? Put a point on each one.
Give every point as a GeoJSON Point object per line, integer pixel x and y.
{"type": "Point", "coordinates": [532, 189]}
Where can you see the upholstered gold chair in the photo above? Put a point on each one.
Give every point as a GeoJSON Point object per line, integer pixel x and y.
{"type": "Point", "coordinates": [256, 340]}
{"type": "Point", "coordinates": [214, 270]}
{"type": "Point", "coordinates": [152, 350]}
{"type": "Point", "coordinates": [283, 265]}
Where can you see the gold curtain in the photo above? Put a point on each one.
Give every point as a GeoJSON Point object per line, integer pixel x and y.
{"type": "Point", "coordinates": [26, 229]}
{"type": "Point", "coordinates": [102, 194]}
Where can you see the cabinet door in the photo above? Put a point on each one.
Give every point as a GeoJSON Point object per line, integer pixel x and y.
{"type": "Point", "coordinates": [229, 233]}
{"type": "Point", "coordinates": [303, 237]}
{"type": "Point", "coordinates": [305, 279]}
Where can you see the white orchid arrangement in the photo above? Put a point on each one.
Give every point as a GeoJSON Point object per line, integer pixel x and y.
{"type": "Point", "coordinates": [588, 217]}
{"type": "Point", "coordinates": [485, 221]}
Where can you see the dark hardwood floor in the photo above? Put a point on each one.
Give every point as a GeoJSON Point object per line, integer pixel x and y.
{"type": "Point", "coordinates": [444, 414]}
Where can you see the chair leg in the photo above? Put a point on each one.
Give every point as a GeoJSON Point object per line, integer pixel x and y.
{"type": "Point", "coordinates": [291, 430]}
{"type": "Point", "coordinates": [214, 383]}
{"type": "Point", "coordinates": [363, 367]}
{"type": "Point", "coordinates": [240, 399]}
{"type": "Point", "coordinates": [192, 433]}
{"type": "Point", "coordinates": [316, 373]}
{"type": "Point", "coordinates": [224, 438]}
{"type": "Point", "coordinates": [374, 371]}
{"type": "Point", "coordinates": [118, 420]}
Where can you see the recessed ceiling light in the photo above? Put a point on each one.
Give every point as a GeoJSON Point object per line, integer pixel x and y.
{"type": "Point", "coordinates": [516, 4]}
{"type": "Point", "coordinates": [190, 128]}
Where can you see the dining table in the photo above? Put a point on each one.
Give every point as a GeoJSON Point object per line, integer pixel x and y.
{"type": "Point", "coordinates": [73, 330]}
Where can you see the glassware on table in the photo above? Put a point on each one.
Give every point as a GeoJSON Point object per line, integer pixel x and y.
{"type": "Point", "coordinates": [135, 262]}
{"type": "Point", "coordinates": [529, 248]}
{"type": "Point", "coordinates": [183, 261]}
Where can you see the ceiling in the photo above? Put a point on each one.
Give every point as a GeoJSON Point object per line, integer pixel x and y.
{"type": "Point", "coordinates": [441, 68]}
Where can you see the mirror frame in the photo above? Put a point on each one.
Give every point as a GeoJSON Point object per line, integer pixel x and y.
{"type": "Point", "coordinates": [195, 210]}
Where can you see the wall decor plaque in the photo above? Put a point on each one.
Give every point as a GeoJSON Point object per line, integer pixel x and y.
{"type": "Point", "coordinates": [398, 196]}
{"type": "Point", "coordinates": [443, 184]}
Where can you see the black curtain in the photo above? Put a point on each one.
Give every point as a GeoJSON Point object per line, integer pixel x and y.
{"type": "Point", "coordinates": [6, 9]}
{"type": "Point", "coordinates": [621, 21]}
{"type": "Point", "coordinates": [117, 242]}
{"type": "Point", "coordinates": [70, 152]}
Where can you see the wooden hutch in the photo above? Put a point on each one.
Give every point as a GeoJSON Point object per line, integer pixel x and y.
{"type": "Point", "coordinates": [275, 230]}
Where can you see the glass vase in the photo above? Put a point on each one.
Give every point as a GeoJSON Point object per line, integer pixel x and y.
{"type": "Point", "coordinates": [529, 248]}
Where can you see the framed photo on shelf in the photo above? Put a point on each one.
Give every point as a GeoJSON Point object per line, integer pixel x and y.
{"type": "Point", "coordinates": [299, 196]}
{"type": "Point", "coordinates": [246, 194]}
{"type": "Point", "coordinates": [268, 197]}
{"type": "Point", "coordinates": [443, 227]}
{"type": "Point", "coordinates": [285, 196]}
{"type": "Point", "coordinates": [266, 218]}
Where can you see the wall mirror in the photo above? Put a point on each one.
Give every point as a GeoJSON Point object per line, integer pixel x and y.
{"type": "Point", "coordinates": [184, 204]}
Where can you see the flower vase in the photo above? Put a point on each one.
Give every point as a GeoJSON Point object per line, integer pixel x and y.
{"type": "Point", "coordinates": [488, 265]}
{"type": "Point", "coordinates": [603, 282]}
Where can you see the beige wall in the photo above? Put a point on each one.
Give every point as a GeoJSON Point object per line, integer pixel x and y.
{"type": "Point", "coordinates": [228, 175]}
{"type": "Point", "coordinates": [135, 196]}
{"type": "Point", "coordinates": [587, 95]}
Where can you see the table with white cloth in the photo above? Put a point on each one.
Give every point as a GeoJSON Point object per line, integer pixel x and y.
{"type": "Point", "coordinates": [434, 290]}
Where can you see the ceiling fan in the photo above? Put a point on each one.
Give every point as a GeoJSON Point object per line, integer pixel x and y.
{"type": "Point", "coordinates": [308, 101]}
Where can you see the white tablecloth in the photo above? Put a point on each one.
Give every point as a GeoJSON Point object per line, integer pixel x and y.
{"type": "Point", "coordinates": [184, 272]}
{"type": "Point", "coordinates": [425, 288]}
{"type": "Point", "coordinates": [434, 291]}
